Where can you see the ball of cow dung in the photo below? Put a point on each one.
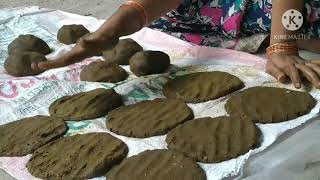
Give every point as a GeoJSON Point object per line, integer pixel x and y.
{"type": "Point", "coordinates": [28, 42]}
{"type": "Point", "coordinates": [149, 62]}
{"type": "Point", "coordinates": [102, 71]}
{"type": "Point", "coordinates": [69, 34]}
{"type": "Point", "coordinates": [19, 63]}
{"type": "Point", "coordinates": [122, 52]}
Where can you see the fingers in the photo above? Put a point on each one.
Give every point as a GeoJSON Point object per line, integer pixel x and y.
{"type": "Point", "coordinates": [314, 67]}
{"type": "Point", "coordinates": [50, 65]}
{"type": "Point", "coordinates": [294, 75]}
{"type": "Point", "coordinates": [73, 56]}
{"type": "Point", "coordinates": [46, 65]}
{"type": "Point", "coordinates": [275, 72]}
{"type": "Point", "coordinates": [311, 75]}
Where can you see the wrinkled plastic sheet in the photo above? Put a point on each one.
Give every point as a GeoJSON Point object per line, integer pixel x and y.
{"type": "Point", "coordinates": [29, 96]}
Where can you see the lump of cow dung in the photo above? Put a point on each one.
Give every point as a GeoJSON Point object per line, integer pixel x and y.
{"type": "Point", "coordinates": [69, 34]}
{"type": "Point", "coordinates": [149, 62]}
{"type": "Point", "coordinates": [102, 71]}
{"type": "Point", "coordinates": [28, 42]}
{"type": "Point", "coordinates": [19, 63]}
{"type": "Point", "coordinates": [122, 52]}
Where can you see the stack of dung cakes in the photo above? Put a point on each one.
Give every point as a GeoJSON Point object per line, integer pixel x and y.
{"type": "Point", "coordinates": [23, 51]}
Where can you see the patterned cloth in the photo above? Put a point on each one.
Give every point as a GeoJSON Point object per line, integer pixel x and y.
{"type": "Point", "coordinates": [234, 24]}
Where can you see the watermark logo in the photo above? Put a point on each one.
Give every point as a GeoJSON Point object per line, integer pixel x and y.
{"type": "Point", "coordinates": [292, 20]}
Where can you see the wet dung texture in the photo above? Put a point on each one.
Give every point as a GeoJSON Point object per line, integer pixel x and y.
{"type": "Point", "coordinates": [18, 64]}
{"type": "Point", "coordinates": [69, 34]}
{"type": "Point", "coordinates": [86, 105]}
{"type": "Point", "coordinates": [122, 52]}
{"type": "Point", "coordinates": [270, 105]}
{"type": "Point", "coordinates": [148, 118]}
{"type": "Point", "coordinates": [157, 165]}
{"type": "Point", "coordinates": [212, 140]}
{"type": "Point", "coordinates": [102, 71]}
{"type": "Point", "coordinates": [77, 157]}
{"type": "Point", "coordinates": [149, 62]}
{"type": "Point", "coordinates": [24, 136]}
{"type": "Point", "coordinates": [202, 86]}
{"type": "Point", "coordinates": [28, 42]}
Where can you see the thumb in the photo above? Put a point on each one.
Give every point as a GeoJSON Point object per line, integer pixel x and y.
{"type": "Point", "coordinates": [275, 72]}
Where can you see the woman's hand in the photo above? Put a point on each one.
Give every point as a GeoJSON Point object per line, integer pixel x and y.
{"type": "Point", "coordinates": [282, 65]}
{"type": "Point", "coordinates": [87, 46]}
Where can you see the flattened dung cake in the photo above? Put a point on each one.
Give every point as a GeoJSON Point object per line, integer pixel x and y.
{"type": "Point", "coordinates": [29, 42]}
{"type": "Point", "coordinates": [18, 64]}
{"type": "Point", "coordinates": [77, 157]}
{"type": "Point", "coordinates": [149, 62]}
{"type": "Point", "coordinates": [24, 136]}
{"type": "Point", "coordinates": [69, 34]}
{"type": "Point", "coordinates": [270, 105]}
{"type": "Point", "coordinates": [148, 118]}
{"type": "Point", "coordinates": [202, 86]}
{"type": "Point", "coordinates": [122, 52]}
{"type": "Point", "coordinates": [157, 165]}
{"type": "Point", "coordinates": [86, 105]}
{"type": "Point", "coordinates": [102, 71]}
{"type": "Point", "coordinates": [212, 140]}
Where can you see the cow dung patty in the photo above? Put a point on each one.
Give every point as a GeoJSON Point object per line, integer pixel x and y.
{"type": "Point", "coordinates": [18, 64]}
{"type": "Point", "coordinates": [77, 157]}
{"type": "Point", "coordinates": [24, 136]}
{"type": "Point", "coordinates": [212, 140]}
{"type": "Point", "coordinates": [270, 105]}
{"type": "Point", "coordinates": [149, 62]}
{"type": "Point", "coordinates": [86, 105]}
{"type": "Point", "coordinates": [122, 52]}
{"type": "Point", "coordinates": [28, 42]}
{"type": "Point", "coordinates": [148, 118]}
{"type": "Point", "coordinates": [157, 165]}
{"type": "Point", "coordinates": [69, 34]}
{"type": "Point", "coordinates": [102, 71]}
{"type": "Point", "coordinates": [202, 86]}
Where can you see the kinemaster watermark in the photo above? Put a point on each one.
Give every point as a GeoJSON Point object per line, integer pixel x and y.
{"type": "Point", "coordinates": [292, 20]}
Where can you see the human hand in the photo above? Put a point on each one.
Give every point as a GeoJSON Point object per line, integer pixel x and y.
{"type": "Point", "coordinates": [87, 46]}
{"type": "Point", "coordinates": [282, 65]}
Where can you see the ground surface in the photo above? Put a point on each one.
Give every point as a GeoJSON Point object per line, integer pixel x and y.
{"type": "Point", "coordinates": [104, 8]}
{"type": "Point", "coordinates": [97, 8]}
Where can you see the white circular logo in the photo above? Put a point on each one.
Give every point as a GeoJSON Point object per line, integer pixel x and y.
{"type": "Point", "coordinates": [292, 20]}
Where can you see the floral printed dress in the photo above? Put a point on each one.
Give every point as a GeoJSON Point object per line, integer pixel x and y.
{"type": "Point", "coordinates": [235, 24]}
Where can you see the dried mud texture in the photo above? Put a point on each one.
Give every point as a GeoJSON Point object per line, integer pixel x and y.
{"type": "Point", "coordinates": [102, 71]}
{"type": "Point", "coordinates": [212, 140]}
{"type": "Point", "coordinates": [149, 62]}
{"type": "Point", "coordinates": [157, 165]}
{"type": "Point", "coordinates": [86, 105]}
{"type": "Point", "coordinates": [202, 86]}
{"type": "Point", "coordinates": [122, 52]}
{"type": "Point", "coordinates": [24, 136]}
{"type": "Point", "coordinates": [270, 105]}
{"type": "Point", "coordinates": [69, 34]}
{"type": "Point", "coordinates": [77, 157]}
{"type": "Point", "coordinates": [18, 64]}
{"type": "Point", "coordinates": [148, 118]}
{"type": "Point", "coordinates": [28, 42]}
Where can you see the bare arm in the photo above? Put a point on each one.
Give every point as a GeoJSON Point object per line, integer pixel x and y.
{"type": "Point", "coordinates": [118, 23]}
{"type": "Point", "coordinates": [125, 21]}
{"type": "Point", "coordinates": [279, 7]}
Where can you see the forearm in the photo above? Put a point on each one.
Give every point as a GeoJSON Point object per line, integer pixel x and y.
{"type": "Point", "coordinates": [126, 20]}
{"type": "Point", "coordinates": [279, 7]}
